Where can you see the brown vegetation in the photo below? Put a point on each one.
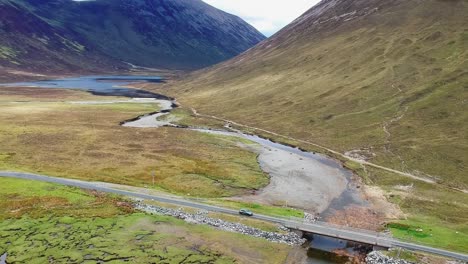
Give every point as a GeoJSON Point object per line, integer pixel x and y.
{"type": "Point", "coordinates": [87, 142]}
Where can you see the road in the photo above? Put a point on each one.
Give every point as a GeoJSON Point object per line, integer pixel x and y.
{"type": "Point", "coordinates": [320, 228]}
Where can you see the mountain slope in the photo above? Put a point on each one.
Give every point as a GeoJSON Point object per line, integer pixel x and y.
{"type": "Point", "coordinates": [387, 80]}
{"type": "Point", "coordinates": [29, 42]}
{"type": "Point", "coordinates": [182, 34]}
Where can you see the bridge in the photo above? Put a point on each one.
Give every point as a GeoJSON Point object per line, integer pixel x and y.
{"type": "Point", "coordinates": [319, 228]}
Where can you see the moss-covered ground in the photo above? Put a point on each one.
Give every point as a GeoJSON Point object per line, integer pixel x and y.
{"type": "Point", "coordinates": [42, 222]}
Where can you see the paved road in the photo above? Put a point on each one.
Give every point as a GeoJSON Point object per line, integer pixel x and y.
{"type": "Point", "coordinates": [362, 236]}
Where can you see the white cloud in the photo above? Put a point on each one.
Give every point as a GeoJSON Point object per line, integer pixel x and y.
{"type": "Point", "coordinates": [268, 16]}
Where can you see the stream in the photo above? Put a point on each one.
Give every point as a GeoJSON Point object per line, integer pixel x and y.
{"type": "Point", "coordinates": [310, 181]}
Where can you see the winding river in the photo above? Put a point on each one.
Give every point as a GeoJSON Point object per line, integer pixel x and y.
{"type": "Point", "coordinates": [299, 179]}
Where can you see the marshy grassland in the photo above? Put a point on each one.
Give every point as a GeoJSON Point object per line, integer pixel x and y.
{"type": "Point", "coordinates": [43, 132]}
{"type": "Point", "coordinates": [43, 222]}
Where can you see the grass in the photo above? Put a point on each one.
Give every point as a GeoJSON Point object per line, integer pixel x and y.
{"type": "Point", "coordinates": [403, 254]}
{"type": "Point", "coordinates": [260, 209]}
{"type": "Point", "coordinates": [31, 94]}
{"type": "Point", "coordinates": [108, 230]}
{"type": "Point", "coordinates": [439, 211]}
{"type": "Point", "coordinates": [266, 226]}
{"type": "Point", "coordinates": [7, 53]}
{"type": "Point", "coordinates": [44, 134]}
{"type": "Point", "coordinates": [86, 142]}
{"type": "Point", "coordinates": [340, 88]}
{"type": "Point", "coordinates": [20, 198]}
{"type": "Point", "coordinates": [185, 117]}
{"type": "Point", "coordinates": [72, 45]}
{"type": "Point", "coordinates": [431, 231]}
{"type": "Point", "coordinates": [136, 238]}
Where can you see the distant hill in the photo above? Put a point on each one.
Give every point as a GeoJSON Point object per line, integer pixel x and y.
{"type": "Point", "coordinates": [384, 80]}
{"type": "Point", "coordinates": [65, 35]}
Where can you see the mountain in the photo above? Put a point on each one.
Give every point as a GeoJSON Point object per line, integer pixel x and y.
{"type": "Point", "coordinates": [383, 80]}
{"type": "Point", "coordinates": [66, 35]}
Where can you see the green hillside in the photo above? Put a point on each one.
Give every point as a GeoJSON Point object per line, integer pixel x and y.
{"type": "Point", "coordinates": [387, 80]}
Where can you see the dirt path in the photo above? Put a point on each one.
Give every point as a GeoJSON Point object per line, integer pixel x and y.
{"type": "Point", "coordinates": [387, 144]}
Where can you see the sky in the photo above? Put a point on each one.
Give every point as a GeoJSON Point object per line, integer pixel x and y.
{"type": "Point", "coordinates": [268, 16]}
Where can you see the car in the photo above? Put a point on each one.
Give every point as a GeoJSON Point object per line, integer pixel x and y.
{"type": "Point", "coordinates": [245, 212]}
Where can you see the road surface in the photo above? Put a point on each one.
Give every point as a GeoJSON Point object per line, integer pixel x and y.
{"type": "Point", "coordinates": [320, 228]}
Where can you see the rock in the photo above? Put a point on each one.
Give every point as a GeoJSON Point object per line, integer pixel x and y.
{"type": "Point", "coordinates": [376, 257]}
{"type": "Point", "coordinates": [310, 218]}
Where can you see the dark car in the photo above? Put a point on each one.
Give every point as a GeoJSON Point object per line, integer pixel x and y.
{"type": "Point", "coordinates": [245, 212]}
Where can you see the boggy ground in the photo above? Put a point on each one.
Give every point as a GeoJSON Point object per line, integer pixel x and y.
{"type": "Point", "coordinates": [42, 222]}
{"type": "Point", "coordinates": [42, 132]}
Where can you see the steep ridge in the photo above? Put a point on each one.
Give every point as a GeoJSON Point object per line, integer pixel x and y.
{"type": "Point", "coordinates": [385, 81]}
{"type": "Point", "coordinates": [31, 43]}
{"type": "Point", "coordinates": [66, 35]}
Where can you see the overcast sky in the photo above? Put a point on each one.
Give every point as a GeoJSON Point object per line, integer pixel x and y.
{"type": "Point", "coordinates": [268, 16]}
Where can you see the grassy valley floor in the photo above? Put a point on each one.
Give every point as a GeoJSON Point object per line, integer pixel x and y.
{"type": "Point", "coordinates": [42, 222]}
{"type": "Point", "coordinates": [43, 131]}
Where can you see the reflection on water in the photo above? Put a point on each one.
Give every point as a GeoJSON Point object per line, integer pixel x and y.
{"type": "Point", "coordinates": [315, 256]}
{"type": "Point", "coordinates": [322, 250]}
{"type": "Point", "coordinates": [98, 85]}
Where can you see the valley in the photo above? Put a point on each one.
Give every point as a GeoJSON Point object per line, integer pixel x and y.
{"type": "Point", "coordinates": [79, 115]}
{"type": "Point", "coordinates": [378, 85]}
{"type": "Point", "coordinates": [175, 131]}
{"type": "Point", "coordinates": [353, 100]}
{"type": "Point", "coordinates": [319, 185]}
{"type": "Point", "coordinates": [287, 176]}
